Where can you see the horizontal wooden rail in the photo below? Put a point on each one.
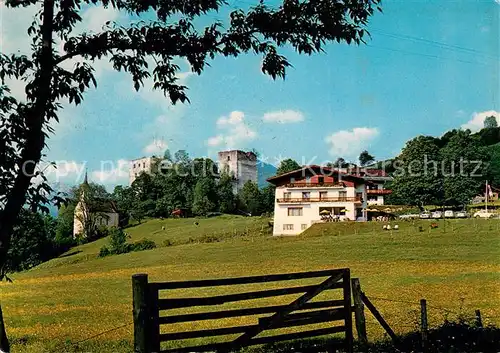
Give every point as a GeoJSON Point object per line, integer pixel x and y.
{"type": "Point", "coordinates": [314, 185]}
{"type": "Point", "coordinates": [331, 314]}
{"type": "Point", "coordinates": [243, 312]}
{"type": "Point", "coordinates": [379, 192]}
{"type": "Point", "coordinates": [261, 340]}
{"type": "Point", "coordinates": [166, 304]}
{"type": "Point", "coordinates": [244, 280]}
{"type": "Point", "coordinates": [291, 321]}
{"type": "Point", "coordinates": [318, 199]}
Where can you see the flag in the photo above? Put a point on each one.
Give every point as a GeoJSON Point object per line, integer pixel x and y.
{"type": "Point", "coordinates": [488, 190]}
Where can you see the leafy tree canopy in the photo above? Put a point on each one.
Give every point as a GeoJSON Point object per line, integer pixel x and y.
{"type": "Point", "coordinates": [205, 196]}
{"type": "Point", "coordinates": [417, 180]}
{"type": "Point", "coordinates": [287, 165]}
{"type": "Point", "coordinates": [365, 158]}
{"type": "Point", "coordinates": [339, 163]}
{"type": "Point", "coordinates": [490, 122]}
{"type": "Point", "coordinates": [250, 198]}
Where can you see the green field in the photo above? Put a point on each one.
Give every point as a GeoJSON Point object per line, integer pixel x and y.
{"type": "Point", "coordinates": [456, 267]}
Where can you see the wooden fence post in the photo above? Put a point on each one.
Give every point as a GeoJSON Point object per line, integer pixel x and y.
{"type": "Point", "coordinates": [423, 323]}
{"type": "Point", "coordinates": [359, 312]}
{"type": "Point", "coordinates": [346, 282]}
{"type": "Point", "coordinates": [140, 297]}
{"type": "Point", "coordinates": [4, 342]}
{"type": "Point", "coordinates": [479, 321]}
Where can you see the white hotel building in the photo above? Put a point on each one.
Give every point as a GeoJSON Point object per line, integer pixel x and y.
{"type": "Point", "coordinates": [311, 194]}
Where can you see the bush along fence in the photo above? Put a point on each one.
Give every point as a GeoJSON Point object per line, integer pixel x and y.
{"type": "Point", "coordinates": [147, 306]}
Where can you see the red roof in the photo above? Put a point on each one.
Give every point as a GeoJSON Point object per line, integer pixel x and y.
{"type": "Point", "coordinates": [319, 170]}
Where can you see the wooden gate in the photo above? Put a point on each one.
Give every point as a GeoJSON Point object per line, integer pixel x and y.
{"type": "Point", "coordinates": [147, 307]}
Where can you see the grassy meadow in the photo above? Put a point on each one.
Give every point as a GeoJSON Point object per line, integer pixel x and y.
{"type": "Point", "coordinates": [456, 267]}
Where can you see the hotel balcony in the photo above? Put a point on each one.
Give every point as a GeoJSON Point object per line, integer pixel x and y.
{"type": "Point", "coordinates": [319, 199]}
{"type": "Point", "coordinates": [314, 185]}
{"type": "Point", "coordinates": [378, 192]}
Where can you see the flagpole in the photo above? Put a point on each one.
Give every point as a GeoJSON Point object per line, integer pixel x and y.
{"type": "Point", "coordinates": [486, 203]}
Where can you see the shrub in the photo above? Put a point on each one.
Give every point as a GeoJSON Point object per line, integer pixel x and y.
{"type": "Point", "coordinates": [101, 232]}
{"type": "Point", "coordinates": [209, 239]}
{"type": "Point", "coordinates": [118, 241]}
{"type": "Point", "coordinates": [144, 244]}
{"type": "Point", "coordinates": [118, 244]}
{"type": "Point", "coordinates": [80, 239]}
{"type": "Point", "coordinates": [104, 251]}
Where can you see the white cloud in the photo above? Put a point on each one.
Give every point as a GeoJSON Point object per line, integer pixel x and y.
{"type": "Point", "coordinates": [349, 143]}
{"type": "Point", "coordinates": [157, 146]}
{"type": "Point", "coordinates": [476, 122]}
{"type": "Point", "coordinates": [57, 171]}
{"type": "Point", "coordinates": [14, 23]}
{"type": "Point", "coordinates": [236, 132]}
{"type": "Point", "coordinates": [95, 17]}
{"type": "Point", "coordinates": [112, 172]}
{"type": "Point", "coordinates": [235, 118]}
{"type": "Point", "coordinates": [14, 39]}
{"type": "Point", "coordinates": [167, 123]}
{"type": "Point", "coordinates": [283, 117]}
{"type": "Point", "coordinates": [215, 141]}
{"type": "Point", "coordinates": [156, 97]}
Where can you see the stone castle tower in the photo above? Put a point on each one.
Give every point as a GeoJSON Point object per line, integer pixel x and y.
{"type": "Point", "coordinates": [241, 165]}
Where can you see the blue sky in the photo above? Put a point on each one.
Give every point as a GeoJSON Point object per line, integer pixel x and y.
{"type": "Point", "coordinates": [430, 66]}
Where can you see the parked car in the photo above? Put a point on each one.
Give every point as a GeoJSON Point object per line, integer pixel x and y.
{"type": "Point", "coordinates": [461, 214]}
{"type": "Point", "coordinates": [409, 216]}
{"type": "Point", "coordinates": [483, 214]}
{"type": "Point", "coordinates": [449, 214]}
{"type": "Point", "coordinates": [425, 215]}
{"type": "Point", "coordinates": [437, 214]}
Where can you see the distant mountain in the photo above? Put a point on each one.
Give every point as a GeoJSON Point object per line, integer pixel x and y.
{"type": "Point", "coordinates": [264, 171]}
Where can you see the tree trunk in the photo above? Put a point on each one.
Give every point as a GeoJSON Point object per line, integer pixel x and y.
{"type": "Point", "coordinates": [35, 142]}
{"type": "Point", "coordinates": [4, 342]}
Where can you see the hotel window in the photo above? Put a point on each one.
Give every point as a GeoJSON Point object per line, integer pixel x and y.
{"type": "Point", "coordinates": [308, 180]}
{"type": "Point", "coordinates": [287, 195]}
{"type": "Point", "coordinates": [321, 180]}
{"type": "Point", "coordinates": [323, 195]}
{"type": "Point", "coordinates": [287, 226]}
{"type": "Point", "coordinates": [343, 195]}
{"type": "Point", "coordinates": [295, 211]}
{"type": "Point", "coordinates": [306, 195]}
{"type": "Point", "coordinates": [292, 180]}
{"type": "Point", "coordinates": [303, 226]}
